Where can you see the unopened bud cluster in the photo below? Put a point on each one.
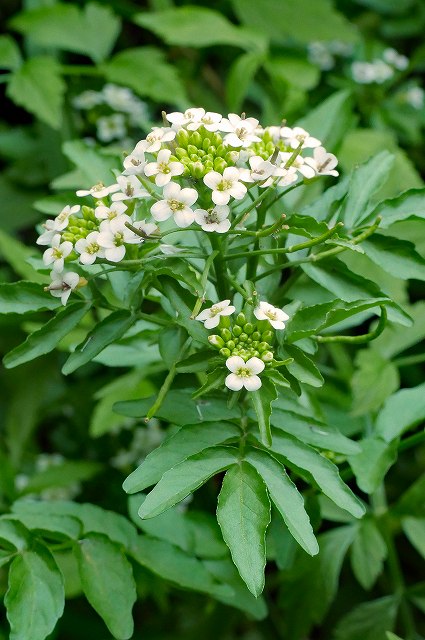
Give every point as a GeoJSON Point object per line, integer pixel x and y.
{"type": "Point", "coordinates": [244, 339]}
{"type": "Point", "coordinates": [202, 151]}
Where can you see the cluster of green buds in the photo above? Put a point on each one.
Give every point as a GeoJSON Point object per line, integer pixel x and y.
{"type": "Point", "coordinates": [202, 151]}
{"type": "Point", "coordinates": [244, 339]}
{"type": "Point", "coordinates": [79, 227]}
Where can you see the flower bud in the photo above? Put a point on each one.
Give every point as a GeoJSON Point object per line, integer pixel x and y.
{"type": "Point", "coordinates": [69, 237]}
{"type": "Point", "coordinates": [237, 330]}
{"type": "Point", "coordinates": [267, 336]}
{"type": "Point", "coordinates": [192, 150]}
{"type": "Point", "coordinates": [216, 139]}
{"type": "Point", "coordinates": [196, 139]}
{"type": "Point", "coordinates": [221, 150]}
{"type": "Point", "coordinates": [182, 137]}
{"type": "Point", "coordinates": [226, 353]}
{"type": "Point", "coordinates": [88, 213]}
{"type": "Point", "coordinates": [206, 144]}
{"type": "Point", "coordinates": [220, 165]}
{"type": "Point", "coordinates": [92, 226]}
{"type": "Point", "coordinates": [197, 169]}
{"type": "Point", "coordinates": [232, 156]}
{"type": "Point", "coordinates": [225, 334]}
{"type": "Point", "coordinates": [74, 230]}
{"type": "Point", "coordinates": [263, 346]}
{"type": "Point", "coordinates": [194, 157]}
{"type": "Point", "coordinates": [248, 328]}
{"type": "Point", "coordinates": [180, 153]}
{"type": "Point", "coordinates": [243, 337]}
{"type": "Point", "coordinates": [241, 319]}
{"type": "Point", "coordinates": [212, 150]}
{"type": "Point", "coordinates": [256, 335]}
{"type": "Point", "coordinates": [231, 344]}
{"type": "Point", "coordinates": [267, 356]}
{"type": "Point", "coordinates": [216, 341]}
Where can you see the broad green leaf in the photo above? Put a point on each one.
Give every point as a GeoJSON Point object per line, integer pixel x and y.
{"type": "Point", "coordinates": [262, 403]}
{"type": "Point", "coordinates": [214, 380]}
{"type": "Point", "coordinates": [17, 254]}
{"type": "Point", "coordinates": [108, 583]}
{"type": "Point", "coordinates": [13, 534]}
{"type": "Point", "coordinates": [170, 526]}
{"type": "Point", "coordinates": [414, 528]}
{"type": "Point", "coordinates": [10, 56]}
{"type": "Point", "coordinates": [374, 379]}
{"type": "Point", "coordinates": [183, 303]}
{"type": "Point", "coordinates": [57, 526]}
{"type": "Point", "coordinates": [243, 513]}
{"type": "Point", "coordinates": [186, 477]}
{"type": "Point", "coordinates": [371, 465]}
{"type": "Point", "coordinates": [146, 71]}
{"type": "Point", "coordinates": [412, 500]}
{"type": "Point", "coordinates": [293, 71]}
{"type": "Point", "coordinates": [188, 441]}
{"type": "Point", "coordinates": [94, 166]}
{"type": "Point", "coordinates": [396, 338]}
{"type": "Point", "coordinates": [286, 498]}
{"type": "Point", "coordinates": [24, 297]}
{"type": "Point", "coordinates": [45, 339]}
{"type": "Point", "coordinates": [207, 541]}
{"type": "Point", "coordinates": [171, 339]}
{"type": "Point", "coordinates": [323, 472]}
{"type": "Point", "coordinates": [397, 257]}
{"type": "Point", "coordinates": [368, 621]}
{"type": "Point", "coordinates": [35, 598]}
{"type": "Point", "coordinates": [62, 475]}
{"type": "Point", "coordinates": [240, 77]}
{"type": "Point", "coordinates": [329, 121]}
{"type": "Point", "coordinates": [402, 411]}
{"type": "Point", "coordinates": [108, 330]}
{"type": "Point", "coordinates": [302, 367]}
{"type": "Point", "coordinates": [407, 205]}
{"type": "Point", "coordinates": [392, 636]}
{"type": "Point", "coordinates": [37, 86]}
{"type": "Point", "coordinates": [368, 553]}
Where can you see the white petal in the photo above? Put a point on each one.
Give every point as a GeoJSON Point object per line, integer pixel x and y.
{"type": "Point", "coordinates": [233, 382]}
{"type": "Point", "coordinates": [184, 218]}
{"type": "Point", "coordinates": [220, 197]}
{"type": "Point", "coordinates": [234, 363]}
{"type": "Point", "coordinates": [227, 311]}
{"type": "Point", "coordinates": [116, 254]}
{"type": "Point", "coordinates": [252, 384]}
{"type": "Point", "coordinates": [255, 365]}
{"type": "Point", "coordinates": [210, 323]}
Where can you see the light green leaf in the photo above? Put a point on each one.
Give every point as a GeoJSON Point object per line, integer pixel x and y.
{"type": "Point", "coordinates": [240, 77]}
{"type": "Point", "coordinates": [188, 441]}
{"type": "Point", "coordinates": [286, 498]}
{"type": "Point", "coordinates": [368, 553]}
{"type": "Point", "coordinates": [61, 475]}
{"type": "Point", "coordinates": [35, 598]}
{"type": "Point", "coordinates": [414, 528]}
{"type": "Point", "coordinates": [170, 526]}
{"type": "Point", "coordinates": [374, 379]}
{"type": "Point", "coordinates": [17, 254]}
{"type": "Point", "coordinates": [108, 583]}
{"type": "Point", "coordinates": [371, 465]}
{"type": "Point", "coordinates": [302, 367]}
{"type": "Point", "coordinates": [397, 257]}
{"type": "Point", "coordinates": [10, 56]}
{"type": "Point", "coordinates": [392, 636]}
{"type": "Point", "coordinates": [402, 411]}
{"type": "Point", "coordinates": [37, 86]}
{"type": "Point", "coordinates": [25, 297]}
{"type": "Point", "coordinates": [58, 527]}
{"type": "Point", "coordinates": [13, 534]}
{"type": "Point", "coordinates": [369, 621]}
{"type": "Point", "coordinates": [184, 478]}
{"type": "Point", "coordinates": [171, 339]}
{"type": "Point", "coordinates": [329, 121]}
{"type": "Point", "coordinates": [94, 166]}
{"type": "Point", "coordinates": [262, 403]}
{"type": "Point", "coordinates": [45, 339]}
{"type": "Point", "coordinates": [243, 513]}
{"type": "Point", "coordinates": [183, 302]}
{"type": "Point", "coordinates": [293, 71]}
{"type": "Point", "coordinates": [409, 204]}
{"type": "Point", "coordinates": [108, 330]}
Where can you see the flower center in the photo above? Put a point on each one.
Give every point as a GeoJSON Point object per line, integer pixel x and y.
{"type": "Point", "coordinates": [129, 190]}
{"type": "Point", "coordinates": [244, 372]}
{"type": "Point", "coordinates": [212, 218]}
{"type": "Point", "coordinates": [92, 248]}
{"type": "Point", "coordinates": [215, 310]}
{"type": "Point", "coordinates": [224, 185]}
{"type": "Point", "coordinates": [176, 205]}
{"type": "Point", "coordinates": [98, 187]}
{"type": "Point", "coordinates": [57, 254]}
{"type": "Point", "coordinates": [242, 133]}
{"type": "Point", "coordinates": [118, 238]}
{"type": "Point", "coordinates": [271, 315]}
{"type": "Point", "coordinates": [163, 168]}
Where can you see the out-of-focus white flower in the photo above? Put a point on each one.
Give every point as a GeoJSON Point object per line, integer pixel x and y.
{"type": "Point", "coordinates": [395, 59]}
{"type": "Point", "coordinates": [47, 236]}
{"type": "Point", "coordinates": [89, 248]}
{"type": "Point", "coordinates": [154, 140]}
{"type": "Point", "coordinates": [103, 212]}
{"type": "Point", "coordinates": [177, 203]}
{"type": "Point", "coordinates": [62, 284]}
{"type": "Point", "coordinates": [297, 164]}
{"type": "Point", "coordinates": [98, 190]}
{"type": "Point", "coordinates": [211, 317]}
{"type": "Point", "coordinates": [179, 119]}
{"type": "Point", "coordinates": [244, 374]}
{"type": "Point", "coordinates": [216, 219]}
{"type": "Point", "coordinates": [163, 169]}
{"type": "Point", "coordinates": [369, 72]}
{"type": "Point", "coordinates": [88, 100]}
{"type": "Point", "coordinates": [225, 186]}
{"type": "Point", "coordinates": [111, 127]}
{"type": "Point", "coordinates": [322, 162]}
{"type": "Point", "coordinates": [292, 137]}
{"type": "Point", "coordinates": [320, 55]}
{"type": "Point", "coordinates": [134, 164]}
{"type": "Point", "coordinates": [112, 236]}
{"type": "Point", "coordinates": [415, 96]}
{"type": "Point", "coordinates": [129, 187]}
{"type": "Point", "coordinates": [118, 98]}
{"type": "Point", "coordinates": [57, 253]}
{"type": "Point", "coordinates": [275, 316]}
{"type": "Point", "coordinates": [62, 219]}
{"type": "Point", "coordinates": [241, 131]}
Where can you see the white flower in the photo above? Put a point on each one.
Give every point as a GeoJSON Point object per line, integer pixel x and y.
{"type": "Point", "coordinates": [260, 169]}
{"type": "Point", "coordinates": [62, 284]}
{"type": "Point", "coordinates": [214, 219]}
{"type": "Point", "coordinates": [154, 139]}
{"type": "Point", "coordinates": [242, 131]}
{"type": "Point", "coordinates": [319, 55]}
{"type": "Point", "coordinates": [323, 163]}
{"type": "Point", "coordinates": [179, 119]}
{"type": "Point", "coordinates": [415, 96]}
{"type": "Point", "coordinates": [285, 177]}
{"type": "Point", "coordinates": [57, 253]}
{"type": "Point", "coordinates": [211, 121]}
{"type": "Point", "coordinates": [147, 228]}
{"type": "Point", "coordinates": [225, 185]}
{"type": "Point", "coordinates": [177, 203]}
{"type": "Point", "coordinates": [129, 187]}
{"type": "Point", "coordinates": [47, 236]}
{"type": "Point", "coordinates": [62, 219]}
{"type": "Point", "coordinates": [293, 137]}
{"type": "Point", "coordinates": [395, 59]}
{"type": "Point", "coordinates": [297, 163]}
{"type": "Point", "coordinates": [244, 374]}
{"type": "Point", "coordinates": [98, 191]}
{"type": "Point", "coordinates": [88, 100]}
{"type": "Point", "coordinates": [275, 316]}
{"type": "Point", "coordinates": [211, 317]}
{"type": "Point", "coordinates": [111, 127]}
{"type": "Point", "coordinates": [103, 212]}
{"type": "Point", "coordinates": [89, 248]}
{"type": "Point", "coordinates": [163, 169]}
{"type": "Point", "coordinates": [369, 72]}
{"type": "Point", "coordinates": [118, 98]}
{"type": "Point", "coordinates": [112, 236]}
{"type": "Point", "coordinates": [134, 163]}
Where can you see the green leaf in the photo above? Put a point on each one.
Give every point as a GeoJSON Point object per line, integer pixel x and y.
{"type": "Point", "coordinates": [374, 379]}
{"type": "Point", "coordinates": [62, 475]}
{"type": "Point", "coordinates": [184, 478]}
{"type": "Point", "coordinates": [243, 513]}
{"type": "Point", "coordinates": [329, 121]}
{"type": "Point", "coordinates": [35, 598]}
{"type": "Point", "coordinates": [13, 534]}
{"type": "Point", "coordinates": [414, 528]}
{"type": "Point", "coordinates": [412, 500]}
{"type": "Point", "coordinates": [24, 297]}
{"type": "Point", "coordinates": [171, 339]}
{"type": "Point", "coordinates": [183, 303]}
{"type": "Point", "coordinates": [17, 255]}
{"type": "Point", "coordinates": [371, 465]}
{"type": "Point", "coordinates": [214, 380]}
{"type": "Point", "coordinates": [240, 76]}
{"type": "Point", "coordinates": [146, 71]}
{"type": "Point", "coordinates": [67, 27]}
{"type": "Point", "coordinates": [407, 205]}
{"type": "Point", "coordinates": [108, 583]}
{"type": "Point", "coordinates": [188, 441]}
{"type": "Point", "coordinates": [45, 339]}
{"type": "Point", "coordinates": [57, 526]}
{"type": "Point", "coordinates": [293, 71]}
{"type": "Point", "coordinates": [94, 166]}
{"type": "Point", "coordinates": [323, 472]}
{"type": "Point", "coordinates": [286, 498]}
{"type": "Point", "coordinates": [392, 636]}
{"type": "Point", "coordinates": [10, 56]}
{"type": "Point", "coordinates": [37, 86]}
{"type": "Point", "coordinates": [262, 403]}
{"type": "Point", "coordinates": [302, 367]}
{"type": "Point", "coordinates": [368, 553]}
{"type": "Point", "coordinates": [108, 330]}
{"type": "Point", "coordinates": [397, 257]}
{"type": "Point", "coordinates": [369, 621]}
{"type": "Point", "coordinates": [170, 526]}
{"type": "Point", "coordinates": [402, 411]}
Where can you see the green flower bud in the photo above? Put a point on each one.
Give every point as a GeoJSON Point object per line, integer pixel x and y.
{"type": "Point", "coordinates": [191, 149]}
{"type": "Point", "coordinates": [249, 328]}
{"type": "Point", "coordinates": [216, 139]}
{"type": "Point", "coordinates": [196, 139]}
{"type": "Point", "coordinates": [267, 356]}
{"type": "Point", "coordinates": [206, 144]}
{"type": "Point", "coordinates": [263, 346]}
{"type": "Point", "coordinates": [74, 230]}
{"type": "Point", "coordinates": [231, 344]}
{"type": "Point", "coordinates": [237, 330]}
{"type": "Point", "coordinates": [201, 153]}
{"type": "Point", "coordinates": [197, 169]}
{"type": "Point", "coordinates": [182, 137]}
{"type": "Point", "coordinates": [208, 158]}
{"type": "Point", "coordinates": [232, 157]}
{"type": "Point", "coordinates": [241, 319]}
{"type": "Point", "coordinates": [243, 337]}
{"type": "Point", "coordinates": [221, 150]}
{"type": "Point", "coordinates": [225, 334]}
{"type": "Point", "coordinates": [69, 237]}
{"type": "Point", "coordinates": [88, 213]}
{"type": "Point", "coordinates": [267, 336]}
{"type": "Point", "coordinates": [216, 341]}
{"type": "Point", "coordinates": [254, 344]}
{"type": "Point", "coordinates": [249, 341]}
{"type": "Point", "coordinates": [220, 165]}
{"type": "Point", "coordinates": [92, 225]}
{"type": "Point", "coordinates": [212, 150]}
{"type": "Point", "coordinates": [226, 353]}
{"type": "Point", "coordinates": [255, 354]}
{"type": "Point", "coordinates": [180, 153]}
{"type": "Point", "coordinates": [194, 157]}
{"type": "Point", "coordinates": [256, 335]}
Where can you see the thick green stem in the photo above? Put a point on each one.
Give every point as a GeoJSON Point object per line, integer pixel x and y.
{"type": "Point", "coordinates": [367, 337]}
{"type": "Point", "coordinates": [219, 268]}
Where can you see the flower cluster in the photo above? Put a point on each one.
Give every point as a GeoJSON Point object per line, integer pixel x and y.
{"type": "Point", "coordinates": [380, 69]}
{"type": "Point", "coordinates": [193, 171]}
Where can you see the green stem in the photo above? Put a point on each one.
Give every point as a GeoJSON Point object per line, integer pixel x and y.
{"type": "Point", "coordinates": [219, 268]}
{"type": "Point", "coordinates": [408, 360]}
{"type": "Point", "coordinates": [367, 337]}
{"type": "Point", "coordinates": [238, 288]}
{"type": "Point", "coordinates": [80, 70]}
{"type": "Point", "coordinates": [203, 283]}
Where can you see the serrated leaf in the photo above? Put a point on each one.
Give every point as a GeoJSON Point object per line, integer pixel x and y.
{"type": "Point", "coordinates": [262, 403]}
{"type": "Point", "coordinates": [286, 498]}
{"type": "Point", "coordinates": [188, 441]}
{"type": "Point", "coordinates": [186, 477]}
{"type": "Point", "coordinates": [243, 513]}
{"type": "Point", "coordinates": [368, 621]}
{"type": "Point", "coordinates": [25, 297]}
{"type": "Point", "coordinates": [37, 86]}
{"type": "Point", "coordinates": [414, 528]}
{"type": "Point", "coordinates": [374, 379]}
{"type": "Point", "coordinates": [371, 465]}
{"type": "Point", "coordinates": [108, 583]}
{"type": "Point", "coordinates": [10, 56]}
{"type": "Point", "coordinates": [403, 410]}
{"type": "Point", "coordinates": [368, 553]}
{"type": "Point", "coordinates": [35, 598]}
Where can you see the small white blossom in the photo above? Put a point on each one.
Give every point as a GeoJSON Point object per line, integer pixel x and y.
{"type": "Point", "coordinates": [47, 236]}
{"type": "Point", "coordinates": [163, 169]}
{"type": "Point", "coordinates": [260, 170]}
{"type": "Point", "coordinates": [98, 190]}
{"type": "Point", "coordinates": [215, 219]}
{"type": "Point", "coordinates": [102, 212]}
{"type": "Point", "coordinates": [284, 177]}
{"type": "Point", "coordinates": [177, 203]}
{"type": "Point", "coordinates": [179, 119]}
{"type": "Point", "coordinates": [62, 284]}
{"type": "Point", "coordinates": [146, 228]}
{"type": "Point", "coordinates": [319, 54]}
{"type": "Point", "coordinates": [62, 219]}
{"type": "Point", "coordinates": [211, 121]}
{"type": "Point", "coordinates": [226, 185]}
{"type": "Point", "coordinates": [57, 253]}
{"type": "Point", "coordinates": [111, 127]}
{"type": "Point", "coordinates": [322, 162]}
{"type": "Point", "coordinates": [242, 131]}
{"type": "Point", "coordinates": [89, 248]}
{"type": "Point", "coordinates": [395, 59]}
{"type": "Point", "coordinates": [129, 187]}
{"type": "Point", "coordinates": [154, 139]}
{"type": "Point", "coordinates": [415, 96]}
{"type": "Point", "coordinates": [211, 317]}
{"type": "Point", "coordinates": [369, 72]}
{"type": "Point", "coordinates": [118, 98]}
{"type": "Point", "coordinates": [112, 236]}
{"type": "Point", "coordinates": [134, 163]}
{"type": "Point", "coordinates": [243, 374]}
{"type": "Point", "coordinates": [275, 316]}
{"type": "Point", "coordinates": [88, 100]}
{"type": "Point", "coordinates": [297, 164]}
{"type": "Point", "coordinates": [293, 137]}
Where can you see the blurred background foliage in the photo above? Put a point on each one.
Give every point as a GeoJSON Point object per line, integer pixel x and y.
{"type": "Point", "coordinates": [80, 82]}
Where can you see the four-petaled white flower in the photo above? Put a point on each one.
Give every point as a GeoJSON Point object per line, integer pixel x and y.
{"type": "Point", "coordinates": [163, 169]}
{"type": "Point", "coordinates": [211, 317]}
{"type": "Point", "coordinates": [226, 185]}
{"type": "Point", "coordinates": [243, 374]}
{"type": "Point", "coordinates": [57, 253]}
{"type": "Point", "coordinates": [211, 121]}
{"type": "Point", "coordinates": [293, 137]}
{"type": "Point", "coordinates": [116, 209]}
{"type": "Point", "coordinates": [214, 219]}
{"type": "Point", "coordinates": [177, 203]}
{"type": "Point", "coordinates": [98, 190]}
{"type": "Point", "coordinates": [112, 236]}
{"type": "Point", "coordinates": [154, 139]}
{"type": "Point", "coordinates": [260, 170]}
{"type": "Point", "coordinates": [134, 163]}
{"type": "Point", "coordinates": [147, 228]}
{"type": "Point", "coordinates": [89, 248]}
{"type": "Point", "coordinates": [47, 236]}
{"type": "Point", "coordinates": [129, 187]}
{"type": "Point", "coordinates": [62, 284]}
{"type": "Point", "coordinates": [62, 219]}
{"type": "Point", "coordinates": [242, 131]}
{"type": "Point", "coordinates": [275, 316]}
{"type": "Point", "coordinates": [179, 119]}
{"type": "Point", "coordinates": [322, 162]}
{"type": "Point", "coordinates": [298, 163]}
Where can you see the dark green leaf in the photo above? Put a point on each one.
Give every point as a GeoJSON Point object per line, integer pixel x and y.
{"type": "Point", "coordinates": [407, 205]}
{"type": "Point", "coordinates": [262, 402]}
{"type": "Point", "coordinates": [17, 255]}
{"type": "Point", "coordinates": [93, 166]}
{"type": "Point", "coordinates": [412, 501]}
{"type": "Point", "coordinates": [374, 379]}
{"type": "Point", "coordinates": [371, 465]}
{"type": "Point", "coordinates": [215, 380]}
{"type": "Point", "coordinates": [403, 410]}
{"type": "Point", "coordinates": [24, 297]}
{"type": "Point", "coordinates": [329, 121]}
{"type": "Point", "coordinates": [369, 621]}
{"type": "Point", "coordinates": [302, 367]}
{"type": "Point", "coordinates": [183, 302]}
{"type": "Point", "coordinates": [368, 553]}
{"type": "Point", "coordinates": [397, 257]}
{"type": "Point", "coordinates": [414, 528]}
{"type": "Point", "coordinates": [10, 56]}
{"type": "Point", "coordinates": [240, 76]}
